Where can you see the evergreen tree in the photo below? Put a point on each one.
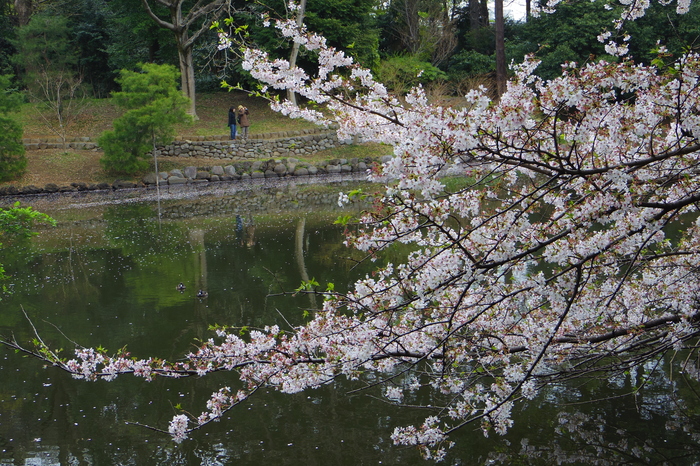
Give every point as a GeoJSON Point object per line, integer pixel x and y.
{"type": "Point", "coordinates": [154, 105]}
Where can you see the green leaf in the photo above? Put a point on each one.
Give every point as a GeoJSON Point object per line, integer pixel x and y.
{"type": "Point", "coordinates": [343, 220]}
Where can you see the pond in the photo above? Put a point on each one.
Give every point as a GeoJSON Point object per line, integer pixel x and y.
{"type": "Point", "coordinates": [107, 275]}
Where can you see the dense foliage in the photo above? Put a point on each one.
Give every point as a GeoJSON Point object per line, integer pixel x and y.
{"type": "Point", "coordinates": [12, 159]}
{"type": "Point", "coordinates": [386, 37]}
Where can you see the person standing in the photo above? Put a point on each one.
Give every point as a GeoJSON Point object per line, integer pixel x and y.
{"type": "Point", "coordinates": [232, 122]}
{"type": "Point", "coordinates": [243, 120]}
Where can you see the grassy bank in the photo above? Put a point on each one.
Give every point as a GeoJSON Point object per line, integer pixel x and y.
{"type": "Point", "coordinates": [67, 166]}
{"type": "Point", "coordinates": [97, 116]}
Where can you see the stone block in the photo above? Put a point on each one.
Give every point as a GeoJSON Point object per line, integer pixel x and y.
{"type": "Point", "coordinates": [149, 179]}
{"type": "Point", "coordinates": [123, 184]}
{"type": "Point", "coordinates": [31, 189]}
{"type": "Point", "coordinates": [177, 180]}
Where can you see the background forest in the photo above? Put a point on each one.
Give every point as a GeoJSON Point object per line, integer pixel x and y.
{"type": "Point", "coordinates": [83, 44]}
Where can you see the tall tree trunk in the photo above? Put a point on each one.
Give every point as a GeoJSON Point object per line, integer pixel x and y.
{"type": "Point", "coordinates": [485, 12]}
{"type": "Point", "coordinates": [291, 95]}
{"type": "Point", "coordinates": [500, 49]}
{"type": "Point", "coordinates": [478, 14]}
{"type": "Point", "coordinates": [474, 10]}
{"type": "Point", "coordinates": [187, 75]}
{"type": "Point", "coordinates": [24, 9]}
{"type": "Point", "coordinates": [528, 9]}
{"type": "Point", "coordinates": [412, 20]}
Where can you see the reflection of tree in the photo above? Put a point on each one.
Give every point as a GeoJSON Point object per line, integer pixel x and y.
{"type": "Point", "coordinates": [136, 230]}
{"type": "Point", "coordinates": [607, 435]}
{"type": "Point", "coordinates": [200, 261]}
{"type": "Point", "coordinates": [250, 234]}
{"type": "Point", "coordinates": [299, 253]}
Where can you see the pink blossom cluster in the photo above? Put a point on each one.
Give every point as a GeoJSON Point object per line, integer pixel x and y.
{"type": "Point", "coordinates": [559, 246]}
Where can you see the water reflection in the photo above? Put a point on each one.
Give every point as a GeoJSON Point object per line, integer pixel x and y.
{"type": "Point", "coordinates": [108, 274]}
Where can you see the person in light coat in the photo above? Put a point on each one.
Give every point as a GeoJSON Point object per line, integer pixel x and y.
{"type": "Point", "coordinates": [243, 121]}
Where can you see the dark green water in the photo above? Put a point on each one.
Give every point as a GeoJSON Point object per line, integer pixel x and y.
{"type": "Point", "coordinates": [107, 275]}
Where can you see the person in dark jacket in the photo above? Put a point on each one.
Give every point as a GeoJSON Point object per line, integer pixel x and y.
{"type": "Point", "coordinates": [232, 121]}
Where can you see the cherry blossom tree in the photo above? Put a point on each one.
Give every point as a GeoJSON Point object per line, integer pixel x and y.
{"type": "Point", "coordinates": [561, 256]}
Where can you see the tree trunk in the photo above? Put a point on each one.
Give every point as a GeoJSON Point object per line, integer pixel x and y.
{"type": "Point", "coordinates": [478, 15]}
{"type": "Point", "coordinates": [291, 95]}
{"type": "Point", "coordinates": [484, 13]}
{"type": "Point", "coordinates": [412, 23]}
{"type": "Point", "coordinates": [187, 74]}
{"type": "Point", "coordinates": [24, 10]}
{"type": "Point", "coordinates": [500, 49]}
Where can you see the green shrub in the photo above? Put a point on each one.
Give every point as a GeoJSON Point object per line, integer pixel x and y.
{"type": "Point", "coordinates": [402, 72]}
{"type": "Point", "coordinates": [471, 63]}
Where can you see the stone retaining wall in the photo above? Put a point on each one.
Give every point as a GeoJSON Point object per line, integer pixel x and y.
{"type": "Point", "coordinates": [82, 143]}
{"type": "Point", "coordinates": [262, 147]}
{"type": "Point", "coordinates": [258, 146]}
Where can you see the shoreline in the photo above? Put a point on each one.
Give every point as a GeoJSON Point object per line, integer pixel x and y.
{"type": "Point", "coordinates": [146, 193]}
{"type": "Point", "coordinates": [204, 175]}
